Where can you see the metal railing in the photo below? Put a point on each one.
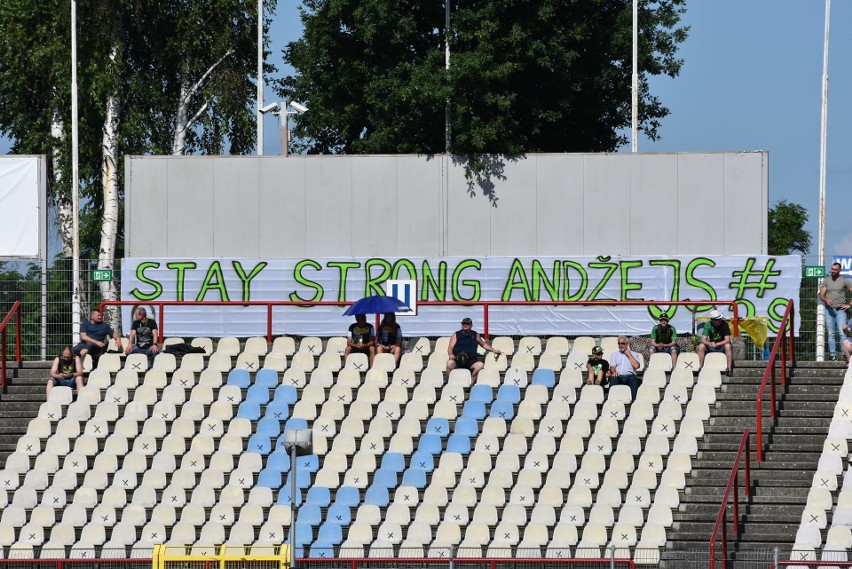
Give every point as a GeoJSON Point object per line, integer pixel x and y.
{"type": "Point", "coordinates": [722, 517]}
{"type": "Point", "coordinates": [16, 311]}
{"type": "Point", "coordinates": [787, 324]}
{"type": "Point", "coordinates": [485, 304]}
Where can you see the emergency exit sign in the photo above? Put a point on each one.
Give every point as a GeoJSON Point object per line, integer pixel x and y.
{"type": "Point", "coordinates": [814, 272]}
{"type": "Point", "coordinates": [101, 275]}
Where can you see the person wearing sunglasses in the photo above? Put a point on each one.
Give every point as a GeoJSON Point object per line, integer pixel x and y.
{"type": "Point", "coordinates": [623, 365]}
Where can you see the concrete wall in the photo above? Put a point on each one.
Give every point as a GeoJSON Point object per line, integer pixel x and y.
{"type": "Point", "coordinates": [540, 204]}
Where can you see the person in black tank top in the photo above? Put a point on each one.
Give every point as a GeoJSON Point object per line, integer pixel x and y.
{"type": "Point", "coordinates": [462, 350]}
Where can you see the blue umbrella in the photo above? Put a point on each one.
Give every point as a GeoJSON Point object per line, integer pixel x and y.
{"type": "Point", "coordinates": [377, 304]}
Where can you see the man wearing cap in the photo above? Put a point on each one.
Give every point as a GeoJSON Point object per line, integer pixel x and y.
{"type": "Point", "coordinates": [833, 295]}
{"type": "Point", "coordinates": [462, 349]}
{"type": "Point", "coordinates": [623, 365]}
{"type": "Point", "coordinates": [664, 339]}
{"type": "Point", "coordinates": [716, 337]}
{"type": "Point", "coordinates": [597, 367]}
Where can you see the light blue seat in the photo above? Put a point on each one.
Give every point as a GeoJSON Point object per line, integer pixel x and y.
{"type": "Point", "coordinates": [319, 495]}
{"type": "Point", "coordinates": [467, 426]}
{"type": "Point", "coordinates": [286, 394]}
{"type": "Point", "coordinates": [432, 444]}
{"type": "Point", "coordinates": [482, 392]}
{"type": "Point", "coordinates": [257, 394]}
{"type": "Point", "coordinates": [284, 497]}
{"type": "Point", "coordinates": [309, 515]}
{"type": "Point", "coordinates": [260, 444]}
{"type": "Point", "coordinates": [544, 376]}
{"type": "Point", "coordinates": [296, 423]}
{"type": "Point", "coordinates": [415, 477]}
{"type": "Point", "coordinates": [309, 463]}
{"type": "Point", "coordinates": [304, 532]}
{"type": "Point", "coordinates": [239, 377]}
{"type": "Point", "coordinates": [269, 427]}
{"type": "Point", "coordinates": [330, 532]}
{"type": "Point", "coordinates": [321, 549]}
{"type": "Point", "coordinates": [303, 479]}
{"type": "Point", "coordinates": [278, 410]}
{"type": "Point", "coordinates": [339, 514]}
{"type": "Point", "coordinates": [438, 426]}
{"type": "Point", "coordinates": [269, 478]}
{"type": "Point", "coordinates": [393, 461]}
{"type": "Point", "coordinates": [377, 495]}
{"type": "Point", "coordinates": [249, 410]}
{"type": "Point", "coordinates": [474, 410]}
{"type": "Point", "coordinates": [267, 378]}
{"type": "Point", "coordinates": [279, 460]}
{"type": "Point", "coordinates": [423, 460]}
{"type": "Point", "coordinates": [386, 478]}
{"type": "Point", "coordinates": [502, 410]}
{"type": "Point", "coordinates": [510, 393]}
{"type": "Point", "coordinates": [348, 496]}
{"type": "Point", "coordinates": [459, 444]}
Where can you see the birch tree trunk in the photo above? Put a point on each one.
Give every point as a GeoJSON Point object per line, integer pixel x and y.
{"type": "Point", "coordinates": [109, 221]}
{"type": "Point", "coordinates": [183, 122]}
{"type": "Point", "coordinates": [61, 200]}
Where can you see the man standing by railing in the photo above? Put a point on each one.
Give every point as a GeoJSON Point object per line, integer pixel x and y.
{"type": "Point", "coordinates": [833, 295]}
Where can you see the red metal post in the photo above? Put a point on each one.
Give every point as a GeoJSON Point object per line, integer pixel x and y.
{"type": "Point", "coordinates": [736, 507]}
{"type": "Point", "coordinates": [736, 310]}
{"type": "Point", "coordinates": [162, 308]}
{"type": "Point", "coordinates": [269, 323]}
{"type": "Point", "coordinates": [18, 332]}
{"type": "Point", "coordinates": [759, 434]}
{"type": "Point", "coordinates": [772, 390]}
{"type": "Point", "coordinates": [485, 321]}
{"type": "Point", "coordinates": [792, 335]}
{"type": "Point", "coordinates": [3, 340]}
{"type": "Point", "coordinates": [783, 359]}
{"type": "Point", "coordinates": [747, 467]}
{"type": "Point", "coordinates": [725, 538]}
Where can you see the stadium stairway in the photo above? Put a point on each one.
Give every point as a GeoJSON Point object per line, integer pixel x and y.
{"type": "Point", "coordinates": [19, 402]}
{"type": "Point", "coordinates": [793, 443]}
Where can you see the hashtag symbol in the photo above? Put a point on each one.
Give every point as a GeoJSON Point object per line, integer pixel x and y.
{"type": "Point", "coordinates": [762, 283]}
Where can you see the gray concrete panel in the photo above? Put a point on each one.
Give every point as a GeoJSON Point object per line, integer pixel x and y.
{"type": "Point", "coordinates": [654, 204]}
{"type": "Point", "coordinates": [418, 206]}
{"type": "Point", "coordinates": [191, 226]}
{"type": "Point", "coordinates": [607, 204]}
{"type": "Point", "coordinates": [701, 219]}
{"type": "Point", "coordinates": [560, 203]}
{"type": "Point", "coordinates": [328, 190]}
{"type": "Point", "coordinates": [745, 202]}
{"type": "Point", "coordinates": [468, 215]}
{"type": "Point", "coordinates": [236, 186]}
{"type": "Point", "coordinates": [514, 218]}
{"type": "Point", "coordinates": [374, 206]}
{"type": "Point", "coordinates": [148, 203]}
{"type": "Point", "coordinates": [282, 227]}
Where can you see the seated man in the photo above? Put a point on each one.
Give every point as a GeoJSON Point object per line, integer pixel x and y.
{"type": "Point", "coordinates": [623, 365]}
{"type": "Point", "coordinates": [390, 337]}
{"type": "Point", "coordinates": [94, 336]}
{"type": "Point", "coordinates": [462, 350]}
{"type": "Point", "coordinates": [597, 367]}
{"type": "Point", "coordinates": [362, 339]}
{"type": "Point", "coordinates": [716, 337]}
{"type": "Point", "coordinates": [143, 336]}
{"type": "Point", "coordinates": [664, 339]}
{"type": "Point", "coordinates": [66, 371]}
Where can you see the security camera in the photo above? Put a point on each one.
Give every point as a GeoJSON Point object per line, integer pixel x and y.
{"type": "Point", "coordinates": [299, 107]}
{"type": "Point", "coordinates": [269, 107]}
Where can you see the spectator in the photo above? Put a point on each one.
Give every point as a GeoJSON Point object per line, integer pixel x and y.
{"type": "Point", "coordinates": [664, 339]}
{"type": "Point", "coordinates": [462, 350]}
{"type": "Point", "coordinates": [623, 365]}
{"type": "Point", "coordinates": [597, 367]}
{"type": "Point", "coordinates": [716, 337]}
{"type": "Point", "coordinates": [66, 371]}
{"type": "Point", "coordinates": [94, 336]}
{"type": "Point", "coordinates": [389, 338]}
{"type": "Point", "coordinates": [143, 336]}
{"type": "Point", "coordinates": [833, 295]}
{"type": "Point", "coordinates": [362, 338]}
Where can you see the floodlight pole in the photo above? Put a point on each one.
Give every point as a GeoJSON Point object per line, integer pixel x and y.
{"type": "Point", "coordinates": [75, 185]}
{"type": "Point", "coordinates": [259, 77]}
{"type": "Point", "coordinates": [634, 90]}
{"type": "Point", "coordinates": [293, 439]}
{"type": "Point", "coordinates": [823, 135]}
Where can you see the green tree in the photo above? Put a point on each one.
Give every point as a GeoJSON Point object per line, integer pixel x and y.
{"type": "Point", "coordinates": [786, 228]}
{"type": "Point", "coordinates": [524, 76]}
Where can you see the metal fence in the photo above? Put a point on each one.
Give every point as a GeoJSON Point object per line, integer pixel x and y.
{"type": "Point", "coordinates": [44, 289]}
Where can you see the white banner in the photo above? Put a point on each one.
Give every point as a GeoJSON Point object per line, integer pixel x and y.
{"type": "Point", "coordinates": [760, 284]}
{"type": "Point", "coordinates": [21, 192]}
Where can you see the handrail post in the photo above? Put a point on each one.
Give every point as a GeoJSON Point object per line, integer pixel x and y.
{"type": "Point", "coordinates": [3, 355]}
{"type": "Point", "coordinates": [747, 466]}
{"type": "Point", "coordinates": [269, 323]}
{"type": "Point", "coordinates": [736, 310]}
{"type": "Point", "coordinates": [162, 308]}
{"type": "Point", "coordinates": [759, 433]}
{"type": "Point", "coordinates": [783, 360]}
{"type": "Point", "coordinates": [18, 317]}
{"type": "Point", "coordinates": [486, 323]}
{"type": "Point", "coordinates": [792, 335]}
{"type": "Point", "coordinates": [725, 537]}
{"type": "Point", "coordinates": [772, 390]}
{"type": "Point", "coordinates": [736, 507]}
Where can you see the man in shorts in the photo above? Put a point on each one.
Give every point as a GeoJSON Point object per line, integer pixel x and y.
{"type": "Point", "coordinates": [716, 337]}
{"type": "Point", "coordinates": [664, 339]}
{"type": "Point", "coordinates": [462, 350]}
{"type": "Point", "coordinates": [94, 337]}
{"type": "Point", "coordinates": [362, 338]}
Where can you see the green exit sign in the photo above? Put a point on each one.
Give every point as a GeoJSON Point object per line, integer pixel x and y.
{"type": "Point", "coordinates": [814, 272]}
{"type": "Point", "coordinates": [100, 275]}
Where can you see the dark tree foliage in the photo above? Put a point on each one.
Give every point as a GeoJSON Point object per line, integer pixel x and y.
{"type": "Point", "coordinates": [787, 233]}
{"type": "Point", "coordinates": [525, 75]}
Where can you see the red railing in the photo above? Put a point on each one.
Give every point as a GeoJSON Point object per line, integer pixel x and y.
{"type": "Point", "coordinates": [485, 304]}
{"type": "Point", "coordinates": [16, 310]}
{"type": "Point", "coordinates": [787, 323]}
{"type": "Point", "coordinates": [733, 484]}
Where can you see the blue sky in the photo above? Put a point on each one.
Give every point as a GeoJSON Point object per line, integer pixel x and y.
{"type": "Point", "coordinates": [751, 81]}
